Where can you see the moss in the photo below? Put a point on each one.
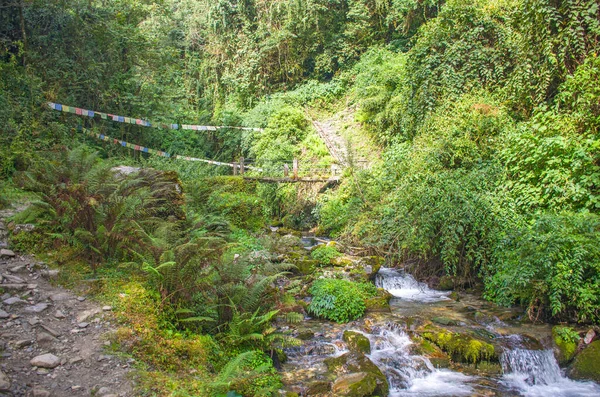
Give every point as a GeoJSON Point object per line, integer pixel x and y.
{"type": "Point", "coordinates": [341, 261]}
{"type": "Point", "coordinates": [565, 347]}
{"type": "Point", "coordinates": [446, 283]}
{"type": "Point", "coordinates": [318, 388]}
{"type": "Point", "coordinates": [284, 231]}
{"type": "Point", "coordinates": [354, 362]}
{"type": "Point", "coordinates": [379, 303]}
{"type": "Point", "coordinates": [355, 385]}
{"type": "Point", "coordinates": [445, 321]}
{"type": "Point", "coordinates": [306, 266]}
{"type": "Point", "coordinates": [357, 342]}
{"type": "Point", "coordinates": [463, 348]}
{"type": "Point", "coordinates": [587, 363]}
{"type": "Point", "coordinates": [372, 264]}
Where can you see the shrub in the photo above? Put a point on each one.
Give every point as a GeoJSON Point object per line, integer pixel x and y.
{"type": "Point", "coordinates": [338, 300]}
{"type": "Point", "coordinates": [324, 254]}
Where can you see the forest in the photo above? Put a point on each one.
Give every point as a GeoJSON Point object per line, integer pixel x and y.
{"type": "Point", "coordinates": [470, 133]}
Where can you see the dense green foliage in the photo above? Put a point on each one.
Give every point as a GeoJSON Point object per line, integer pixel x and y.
{"type": "Point", "coordinates": [339, 300]}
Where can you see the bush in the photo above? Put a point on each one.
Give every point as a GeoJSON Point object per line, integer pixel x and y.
{"type": "Point", "coordinates": [339, 300]}
{"type": "Point", "coordinates": [324, 254]}
{"type": "Point", "coordinates": [553, 266]}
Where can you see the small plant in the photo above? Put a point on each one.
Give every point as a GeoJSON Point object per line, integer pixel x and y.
{"type": "Point", "coordinates": [338, 300]}
{"type": "Point", "coordinates": [324, 254]}
{"type": "Point", "coordinates": [568, 334]}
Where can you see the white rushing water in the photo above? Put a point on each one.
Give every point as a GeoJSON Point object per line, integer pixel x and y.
{"type": "Point", "coordinates": [403, 285]}
{"type": "Point", "coordinates": [411, 375]}
{"type": "Point", "coordinates": [535, 373]}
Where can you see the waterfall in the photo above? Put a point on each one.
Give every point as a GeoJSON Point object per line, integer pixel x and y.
{"type": "Point", "coordinates": [403, 285]}
{"type": "Point", "coordinates": [412, 375]}
{"type": "Point", "coordinates": [536, 373]}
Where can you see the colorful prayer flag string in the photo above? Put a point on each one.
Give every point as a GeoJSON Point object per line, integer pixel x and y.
{"type": "Point", "coordinates": [142, 122]}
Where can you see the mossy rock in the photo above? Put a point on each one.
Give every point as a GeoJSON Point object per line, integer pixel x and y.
{"type": "Point", "coordinates": [445, 321]}
{"type": "Point", "coordinates": [371, 265]}
{"type": "Point", "coordinates": [564, 350]}
{"type": "Point", "coordinates": [306, 335]}
{"type": "Point", "coordinates": [306, 266]}
{"type": "Point", "coordinates": [318, 388]}
{"type": "Point", "coordinates": [461, 347]}
{"type": "Point", "coordinates": [446, 283]}
{"type": "Point", "coordinates": [359, 384]}
{"type": "Point", "coordinates": [357, 342]}
{"type": "Point", "coordinates": [342, 261]}
{"type": "Point", "coordinates": [587, 363]}
{"type": "Point", "coordinates": [284, 231]}
{"type": "Point", "coordinates": [379, 303]}
{"type": "Point", "coordinates": [353, 362]}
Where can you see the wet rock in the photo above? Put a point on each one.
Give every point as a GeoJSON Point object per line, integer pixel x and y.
{"type": "Point", "coordinates": [587, 363]}
{"type": "Point", "coordinates": [445, 321]}
{"type": "Point", "coordinates": [564, 349]}
{"type": "Point", "coordinates": [4, 382]}
{"type": "Point", "coordinates": [318, 388]}
{"type": "Point", "coordinates": [357, 342]}
{"type": "Point", "coordinates": [461, 347]}
{"type": "Point", "coordinates": [6, 253]}
{"type": "Point", "coordinates": [47, 360]}
{"type": "Point", "coordinates": [354, 362]}
{"type": "Point", "coordinates": [37, 308]}
{"type": "Point", "coordinates": [354, 385]}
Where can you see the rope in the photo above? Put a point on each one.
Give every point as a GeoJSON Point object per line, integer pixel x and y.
{"type": "Point", "coordinates": [142, 122]}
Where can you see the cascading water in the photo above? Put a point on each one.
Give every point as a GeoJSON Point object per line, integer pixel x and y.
{"type": "Point", "coordinates": [410, 375]}
{"type": "Point", "coordinates": [534, 373]}
{"type": "Point", "coordinates": [403, 285]}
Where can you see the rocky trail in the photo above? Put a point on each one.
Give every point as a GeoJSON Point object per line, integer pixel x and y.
{"type": "Point", "coordinates": [52, 342]}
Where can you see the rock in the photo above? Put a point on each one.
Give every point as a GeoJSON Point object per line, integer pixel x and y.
{"type": "Point", "coordinates": [23, 343]}
{"type": "Point", "coordinates": [306, 266]}
{"type": "Point", "coordinates": [357, 342]}
{"type": "Point", "coordinates": [13, 300]}
{"type": "Point", "coordinates": [4, 314]}
{"type": "Point", "coordinates": [461, 347]}
{"type": "Point", "coordinates": [354, 362]}
{"type": "Point", "coordinates": [306, 335]}
{"type": "Point", "coordinates": [564, 349]}
{"type": "Point", "coordinates": [371, 265]}
{"type": "Point", "coordinates": [59, 314]}
{"type": "Point", "coordinates": [61, 296]}
{"type": "Point", "coordinates": [341, 261]}
{"type": "Point", "coordinates": [587, 363]}
{"type": "Point", "coordinates": [4, 382]}
{"type": "Point", "coordinates": [103, 392]}
{"type": "Point", "coordinates": [318, 388]}
{"type": "Point", "coordinates": [50, 273]}
{"type": "Point", "coordinates": [23, 228]}
{"type": "Point", "coordinates": [39, 392]}
{"type": "Point", "coordinates": [75, 360]}
{"type": "Point", "coordinates": [359, 384]}
{"type": "Point", "coordinates": [83, 316]}
{"type": "Point", "coordinates": [589, 336]}
{"type": "Point", "coordinates": [106, 308]}
{"type": "Point", "coordinates": [50, 330]}
{"type": "Point", "coordinates": [44, 338]}
{"type": "Point", "coordinates": [38, 308]}
{"type": "Point", "coordinates": [80, 298]}
{"type": "Point", "coordinates": [47, 360]}
{"type": "Point", "coordinates": [379, 303]}
{"type": "Point", "coordinates": [14, 279]}
{"type": "Point", "coordinates": [83, 325]}
{"type": "Point", "coordinates": [6, 253]}
{"type": "Point", "coordinates": [446, 283]}
{"type": "Point", "coordinates": [445, 321]}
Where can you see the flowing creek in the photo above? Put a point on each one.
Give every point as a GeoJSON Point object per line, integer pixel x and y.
{"type": "Point", "coordinates": [527, 369]}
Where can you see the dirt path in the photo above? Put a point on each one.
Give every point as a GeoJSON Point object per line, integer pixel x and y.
{"type": "Point", "coordinates": [52, 341]}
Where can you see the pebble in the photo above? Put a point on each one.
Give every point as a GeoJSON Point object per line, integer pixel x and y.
{"type": "Point", "coordinates": [83, 325]}
{"type": "Point", "coordinates": [47, 360]}
{"type": "Point", "coordinates": [80, 298]}
{"type": "Point", "coordinates": [107, 308]}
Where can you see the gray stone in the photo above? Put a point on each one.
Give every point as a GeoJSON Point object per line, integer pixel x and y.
{"type": "Point", "coordinates": [589, 336]}
{"type": "Point", "coordinates": [22, 343]}
{"type": "Point", "coordinates": [107, 308]}
{"type": "Point", "coordinates": [103, 391]}
{"type": "Point", "coordinates": [47, 360]}
{"type": "Point", "coordinates": [80, 298]}
{"type": "Point", "coordinates": [4, 382]}
{"type": "Point", "coordinates": [3, 314]}
{"type": "Point", "coordinates": [75, 360]}
{"type": "Point", "coordinates": [14, 279]}
{"type": "Point", "coordinates": [61, 296]}
{"type": "Point", "coordinates": [38, 308]}
{"type": "Point", "coordinates": [83, 325]}
{"type": "Point", "coordinates": [50, 330]}
{"type": "Point", "coordinates": [13, 300]}
{"type": "Point", "coordinates": [51, 273]}
{"type": "Point", "coordinates": [59, 314]}
{"type": "Point", "coordinates": [39, 392]}
{"type": "Point", "coordinates": [44, 337]}
{"type": "Point", "coordinates": [6, 253]}
{"type": "Point", "coordinates": [83, 316]}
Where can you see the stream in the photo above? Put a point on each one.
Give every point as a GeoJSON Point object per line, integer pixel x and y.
{"type": "Point", "coordinates": [527, 369]}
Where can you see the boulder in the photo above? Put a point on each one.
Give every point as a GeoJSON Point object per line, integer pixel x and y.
{"type": "Point", "coordinates": [359, 384]}
{"type": "Point", "coordinates": [564, 350]}
{"type": "Point", "coordinates": [587, 363]}
{"type": "Point", "coordinates": [379, 303]}
{"type": "Point", "coordinates": [462, 347]}
{"type": "Point", "coordinates": [371, 265]}
{"type": "Point", "coordinates": [355, 362]}
{"type": "Point", "coordinates": [357, 342]}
